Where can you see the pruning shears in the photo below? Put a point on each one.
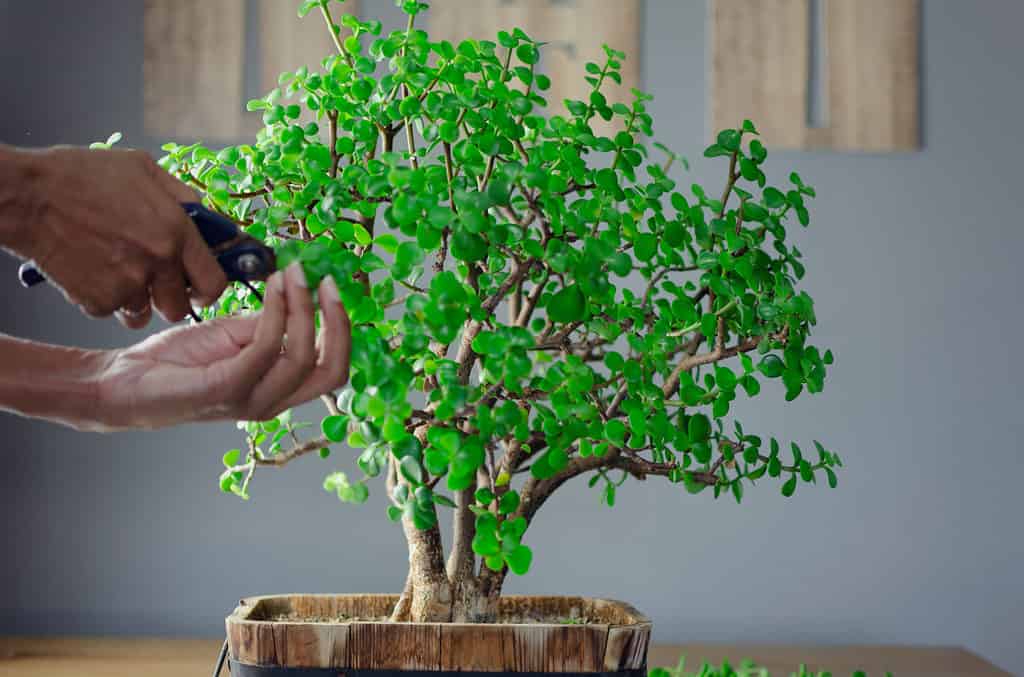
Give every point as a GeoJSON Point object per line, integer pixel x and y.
{"type": "Point", "coordinates": [243, 258]}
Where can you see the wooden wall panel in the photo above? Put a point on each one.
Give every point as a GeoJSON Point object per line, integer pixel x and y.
{"type": "Point", "coordinates": [575, 29]}
{"type": "Point", "coordinates": [193, 68]}
{"type": "Point", "coordinates": [287, 42]}
{"type": "Point", "coordinates": [873, 74]}
{"type": "Point", "coordinates": [760, 70]}
{"type": "Point", "coordinates": [759, 67]}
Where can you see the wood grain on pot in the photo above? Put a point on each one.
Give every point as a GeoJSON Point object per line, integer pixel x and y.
{"type": "Point", "coordinates": [614, 637]}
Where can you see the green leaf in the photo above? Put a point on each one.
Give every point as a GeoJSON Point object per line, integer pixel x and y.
{"type": "Point", "coordinates": [716, 150]}
{"type": "Point", "coordinates": [737, 490]}
{"type": "Point", "coordinates": [698, 428]}
{"type": "Point", "coordinates": [411, 470]}
{"type": "Point", "coordinates": [567, 305]}
{"type": "Point", "coordinates": [774, 198]}
{"type": "Point", "coordinates": [231, 458]}
{"type": "Point", "coordinates": [441, 499]}
{"type": "Point", "coordinates": [692, 484]}
{"type": "Point", "coordinates": [789, 486]}
{"type": "Point", "coordinates": [729, 139]}
{"type": "Point", "coordinates": [468, 246]}
{"type": "Point", "coordinates": [645, 246]}
{"type": "Point", "coordinates": [486, 543]}
{"type": "Point", "coordinates": [701, 451]}
{"type": "Point", "coordinates": [528, 54]}
{"type": "Point", "coordinates": [519, 560]}
{"type": "Point", "coordinates": [335, 427]}
{"type": "Point", "coordinates": [615, 431]}
{"type": "Point", "coordinates": [306, 6]}
{"type": "Point", "coordinates": [806, 472]}
{"type": "Point", "coordinates": [609, 494]}
{"type": "Point", "coordinates": [409, 107]}
{"type": "Point", "coordinates": [508, 503]}
{"type": "Point", "coordinates": [757, 151]}
{"type": "Point", "coordinates": [754, 212]}
{"type": "Point", "coordinates": [771, 366]}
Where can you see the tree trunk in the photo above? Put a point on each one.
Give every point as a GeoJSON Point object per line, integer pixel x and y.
{"type": "Point", "coordinates": [462, 561]}
{"type": "Point", "coordinates": [430, 600]}
{"type": "Point", "coordinates": [457, 594]}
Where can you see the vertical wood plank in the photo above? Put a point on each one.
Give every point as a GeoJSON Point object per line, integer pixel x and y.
{"type": "Point", "coordinates": [760, 70]}
{"type": "Point", "coordinates": [759, 67]}
{"type": "Point", "coordinates": [873, 74]}
{"type": "Point", "coordinates": [481, 648]}
{"type": "Point", "coordinates": [626, 648]}
{"type": "Point", "coordinates": [193, 68]}
{"type": "Point", "coordinates": [394, 646]}
{"type": "Point", "coordinates": [539, 648]}
{"type": "Point", "coordinates": [574, 29]}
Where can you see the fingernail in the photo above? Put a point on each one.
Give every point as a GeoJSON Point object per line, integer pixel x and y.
{"type": "Point", "coordinates": [298, 275]}
{"type": "Point", "coordinates": [329, 288]}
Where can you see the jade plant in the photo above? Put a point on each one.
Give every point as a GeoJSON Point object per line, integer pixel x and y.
{"type": "Point", "coordinates": [531, 300]}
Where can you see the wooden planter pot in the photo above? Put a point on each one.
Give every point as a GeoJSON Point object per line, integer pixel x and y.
{"type": "Point", "coordinates": [612, 642]}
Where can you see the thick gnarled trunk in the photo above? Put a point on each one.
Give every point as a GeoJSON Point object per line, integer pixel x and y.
{"type": "Point", "coordinates": [453, 593]}
{"type": "Point", "coordinates": [427, 597]}
{"type": "Point", "coordinates": [473, 601]}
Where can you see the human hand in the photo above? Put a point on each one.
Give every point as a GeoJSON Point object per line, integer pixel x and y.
{"type": "Point", "coordinates": [234, 367]}
{"type": "Point", "coordinates": [107, 227]}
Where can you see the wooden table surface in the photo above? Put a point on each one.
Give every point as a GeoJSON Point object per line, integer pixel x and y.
{"type": "Point", "coordinates": [107, 657]}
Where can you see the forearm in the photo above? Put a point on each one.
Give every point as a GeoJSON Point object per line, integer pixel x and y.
{"type": "Point", "coordinates": [19, 170]}
{"type": "Point", "coordinates": [52, 382]}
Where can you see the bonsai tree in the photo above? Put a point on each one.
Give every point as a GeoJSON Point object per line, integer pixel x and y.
{"type": "Point", "coordinates": [531, 301]}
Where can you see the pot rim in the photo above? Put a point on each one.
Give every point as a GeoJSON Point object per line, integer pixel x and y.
{"type": "Point", "coordinates": [631, 616]}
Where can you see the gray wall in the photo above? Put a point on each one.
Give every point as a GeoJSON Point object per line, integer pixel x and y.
{"type": "Point", "coordinates": [914, 262]}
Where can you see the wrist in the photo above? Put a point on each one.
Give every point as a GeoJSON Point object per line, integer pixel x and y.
{"type": "Point", "coordinates": [20, 172]}
{"type": "Point", "coordinates": [56, 383]}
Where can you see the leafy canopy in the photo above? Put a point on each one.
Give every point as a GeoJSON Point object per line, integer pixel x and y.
{"type": "Point", "coordinates": [531, 298]}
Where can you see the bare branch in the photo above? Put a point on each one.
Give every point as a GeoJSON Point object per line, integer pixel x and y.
{"type": "Point", "coordinates": [519, 272]}
{"type": "Point", "coordinates": [283, 458]}
{"type": "Point", "coordinates": [718, 354]}
{"type": "Point", "coordinates": [531, 300]}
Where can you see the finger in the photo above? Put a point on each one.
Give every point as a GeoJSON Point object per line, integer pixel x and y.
{"type": "Point", "coordinates": [334, 348]}
{"type": "Point", "coordinates": [240, 329]}
{"type": "Point", "coordinates": [136, 311]}
{"type": "Point", "coordinates": [246, 369]}
{"type": "Point", "coordinates": [169, 295]}
{"type": "Point", "coordinates": [205, 275]}
{"type": "Point", "coordinates": [94, 312]}
{"type": "Point", "coordinates": [299, 358]}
